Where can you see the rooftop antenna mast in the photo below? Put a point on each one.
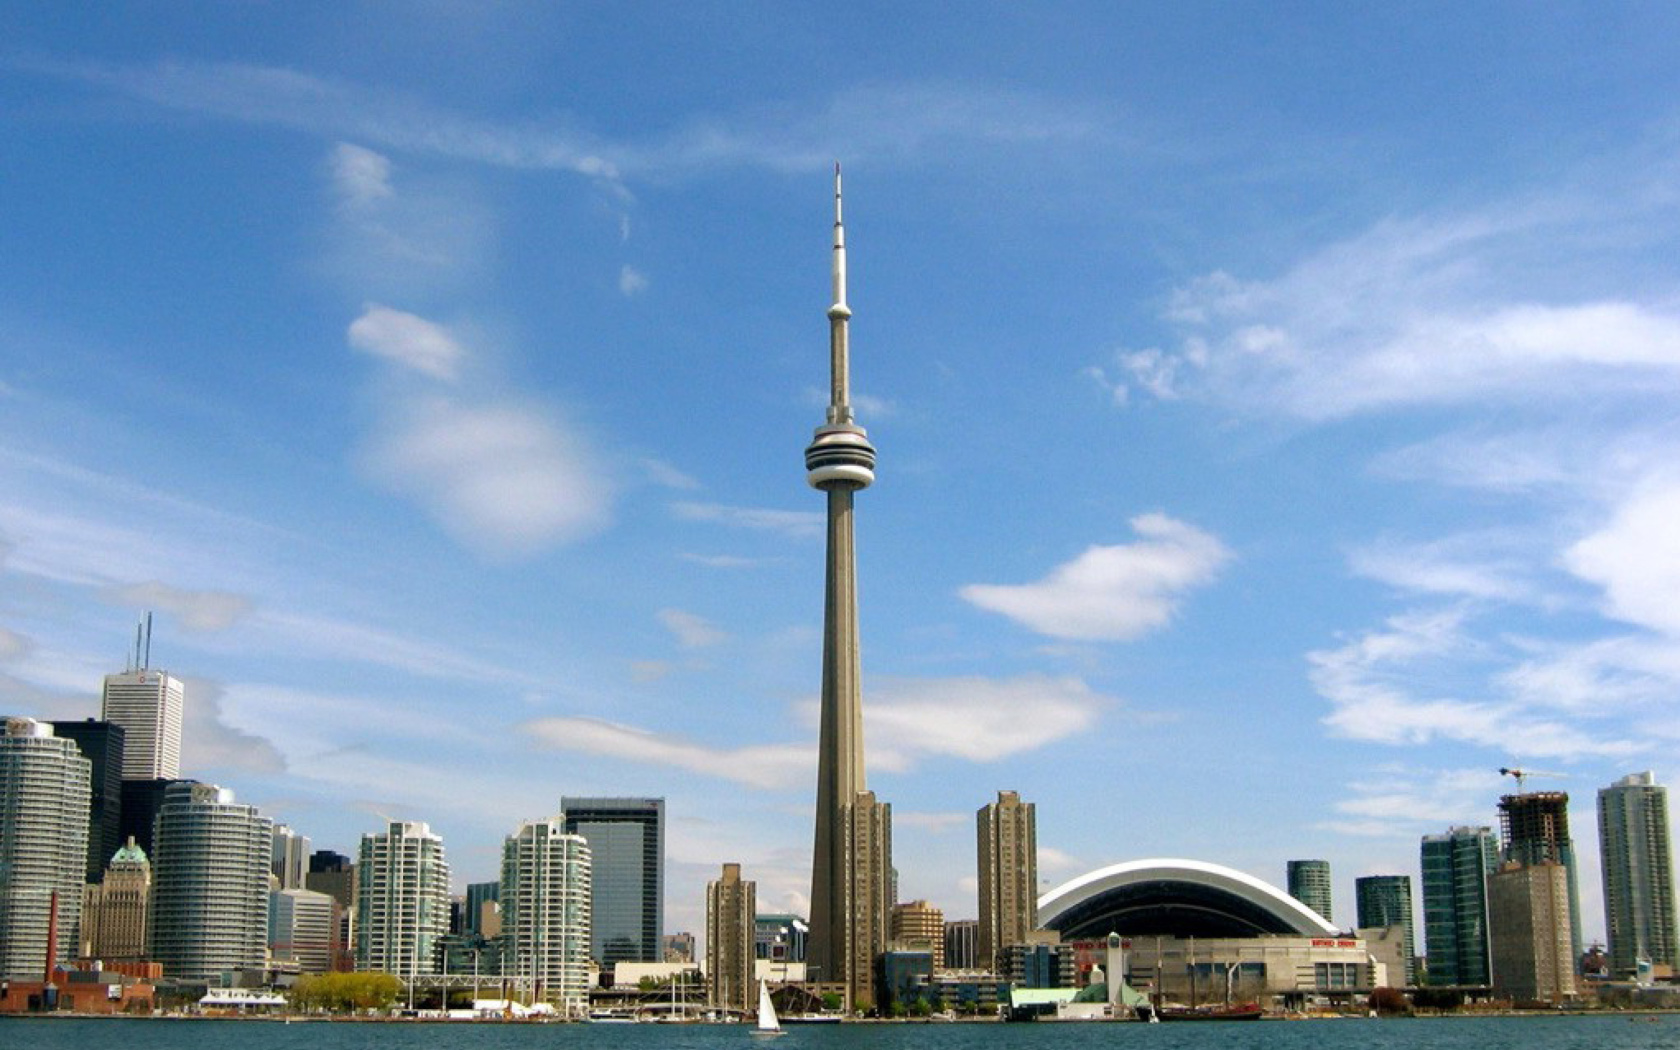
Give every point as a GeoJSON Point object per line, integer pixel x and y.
{"type": "Point", "coordinates": [147, 666]}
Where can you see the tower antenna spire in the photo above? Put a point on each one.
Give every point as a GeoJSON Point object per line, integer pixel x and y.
{"type": "Point", "coordinates": [840, 380]}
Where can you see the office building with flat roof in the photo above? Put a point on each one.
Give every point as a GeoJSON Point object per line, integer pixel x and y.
{"type": "Point", "coordinates": [626, 839]}
{"type": "Point", "coordinates": [101, 743]}
{"type": "Point", "coordinates": [1456, 866]}
{"type": "Point", "coordinates": [148, 704]}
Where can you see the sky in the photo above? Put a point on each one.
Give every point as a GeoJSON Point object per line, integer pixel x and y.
{"type": "Point", "coordinates": [1278, 412]}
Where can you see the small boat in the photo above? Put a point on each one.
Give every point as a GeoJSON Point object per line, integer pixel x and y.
{"type": "Point", "coordinates": [1244, 1012]}
{"type": "Point", "coordinates": [767, 1023]}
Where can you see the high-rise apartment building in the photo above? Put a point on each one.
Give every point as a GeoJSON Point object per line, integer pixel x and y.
{"type": "Point", "coordinates": [115, 921]}
{"type": "Point", "coordinates": [148, 705]}
{"type": "Point", "coordinates": [1007, 837]}
{"type": "Point", "coordinates": [1309, 883]}
{"type": "Point", "coordinates": [210, 863]}
{"type": "Point", "coordinates": [1386, 900]}
{"type": "Point", "coordinates": [101, 743]}
{"type": "Point", "coordinates": [545, 902]}
{"type": "Point", "coordinates": [402, 900]}
{"type": "Point", "coordinates": [1535, 827]}
{"type": "Point", "coordinates": [851, 857]}
{"type": "Point", "coordinates": [626, 839]}
{"type": "Point", "coordinates": [303, 929]}
{"type": "Point", "coordinates": [1638, 865]}
{"type": "Point", "coordinates": [290, 858]}
{"type": "Point", "coordinates": [918, 926]}
{"type": "Point", "coordinates": [45, 785]}
{"type": "Point", "coordinates": [1455, 916]}
{"type": "Point", "coordinates": [731, 906]}
{"type": "Point", "coordinates": [1528, 916]}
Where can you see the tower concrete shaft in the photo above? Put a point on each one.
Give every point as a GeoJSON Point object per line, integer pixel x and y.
{"type": "Point", "coordinates": [847, 883]}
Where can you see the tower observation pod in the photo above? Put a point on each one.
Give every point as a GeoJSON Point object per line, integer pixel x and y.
{"type": "Point", "coordinates": [840, 455]}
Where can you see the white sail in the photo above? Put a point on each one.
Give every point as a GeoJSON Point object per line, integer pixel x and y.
{"type": "Point", "coordinates": [767, 1023]}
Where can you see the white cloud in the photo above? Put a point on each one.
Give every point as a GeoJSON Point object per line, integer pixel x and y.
{"type": "Point", "coordinates": [1396, 801]}
{"type": "Point", "coordinates": [772, 766]}
{"type": "Point", "coordinates": [1635, 557]}
{"type": "Point", "coordinates": [504, 479]}
{"type": "Point", "coordinates": [690, 630]}
{"type": "Point", "coordinates": [209, 742]}
{"type": "Point", "coordinates": [197, 610]}
{"type": "Point", "coordinates": [974, 718]}
{"type": "Point", "coordinates": [631, 281]}
{"type": "Point", "coordinates": [361, 175]}
{"type": "Point", "coordinates": [1114, 593]}
{"type": "Point", "coordinates": [407, 340]}
{"type": "Point", "coordinates": [793, 523]}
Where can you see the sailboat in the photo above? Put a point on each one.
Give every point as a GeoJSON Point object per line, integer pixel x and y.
{"type": "Point", "coordinates": [767, 1023]}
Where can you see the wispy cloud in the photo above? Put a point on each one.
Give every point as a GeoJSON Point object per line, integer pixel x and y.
{"type": "Point", "coordinates": [13, 645]}
{"type": "Point", "coordinates": [1480, 565]}
{"type": "Point", "coordinates": [765, 766]}
{"type": "Point", "coordinates": [725, 561]}
{"type": "Point", "coordinates": [1425, 312]}
{"type": "Point", "coordinates": [196, 610]}
{"type": "Point", "coordinates": [361, 175]}
{"type": "Point", "coordinates": [1374, 684]}
{"type": "Point", "coordinates": [631, 281]}
{"type": "Point", "coordinates": [1112, 593]}
{"type": "Point", "coordinates": [799, 524]}
{"type": "Point", "coordinates": [1635, 558]}
{"type": "Point", "coordinates": [506, 478]}
{"type": "Point", "coordinates": [690, 630]}
{"type": "Point", "coordinates": [1398, 801]}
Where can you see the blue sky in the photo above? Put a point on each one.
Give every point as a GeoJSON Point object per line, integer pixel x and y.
{"type": "Point", "coordinates": [1276, 409]}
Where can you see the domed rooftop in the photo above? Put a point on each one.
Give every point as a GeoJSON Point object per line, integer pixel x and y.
{"type": "Point", "coordinates": [1175, 898]}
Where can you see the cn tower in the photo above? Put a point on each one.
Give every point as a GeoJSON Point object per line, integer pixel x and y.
{"type": "Point", "coordinates": [850, 889]}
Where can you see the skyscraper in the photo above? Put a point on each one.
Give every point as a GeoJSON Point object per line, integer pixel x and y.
{"type": "Point", "coordinates": [1528, 916]}
{"type": "Point", "coordinates": [210, 863]}
{"type": "Point", "coordinates": [479, 896]}
{"type": "Point", "coordinates": [101, 743]}
{"type": "Point", "coordinates": [1535, 827]}
{"type": "Point", "coordinates": [731, 906]}
{"type": "Point", "coordinates": [402, 899]}
{"type": "Point", "coordinates": [545, 899]}
{"type": "Point", "coordinates": [852, 854]}
{"type": "Point", "coordinates": [290, 860]}
{"type": "Point", "coordinates": [114, 925]}
{"type": "Point", "coordinates": [1638, 865]}
{"type": "Point", "coordinates": [1386, 900]}
{"type": "Point", "coordinates": [1455, 920]}
{"type": "Point", "coordinates": [1007, 837]}
{"type": "Point", "coordinates": [148, 705]}
{"type": "Point", "coordinates": [1309, 883]}
{"type": "Point", "coordinates": [626, 839]}
{"type": "Point", "coordinates": [303, 928]}
{"type": "Point", "coordinates": [44, 792]}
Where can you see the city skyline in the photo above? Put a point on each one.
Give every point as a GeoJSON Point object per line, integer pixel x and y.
{"type": "Point", "coordinates": [1258, 386]}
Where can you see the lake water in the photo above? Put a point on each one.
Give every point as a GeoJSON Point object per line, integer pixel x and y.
{"type": "Point", "coordinates": [1615, 1032]}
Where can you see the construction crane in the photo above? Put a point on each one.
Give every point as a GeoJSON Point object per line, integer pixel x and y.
{"type": "Point", "coordinates": [1522, 775]}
